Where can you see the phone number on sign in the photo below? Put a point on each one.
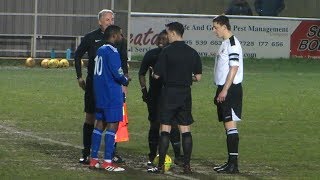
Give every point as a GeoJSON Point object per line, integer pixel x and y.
{"type": "Point", "coordinates": [262, 43]}
{"type": "Point", "coordinates": [273, 44]}
{"type": "Point", "coordinates": [243, 43]}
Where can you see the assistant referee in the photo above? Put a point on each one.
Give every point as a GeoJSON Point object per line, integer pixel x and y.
{"type": "Point", "coordinates": [90, 44]}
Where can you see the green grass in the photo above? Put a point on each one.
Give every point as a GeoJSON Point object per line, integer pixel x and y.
{"type": "Point", "coordinates": [278, 134]}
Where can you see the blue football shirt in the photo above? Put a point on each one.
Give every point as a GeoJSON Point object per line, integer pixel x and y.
{"type": "Point", "coordinates": [108, 78]}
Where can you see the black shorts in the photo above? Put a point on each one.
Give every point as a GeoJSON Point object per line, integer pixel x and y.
{"type": "Point", "coordinates": [153, 104]}
{"type": "Point", "coordinates": [89, 103]}
{"type": "Point", "coordinates": [231, 108]}
{"type": "Point", "coordinates": [176, 105]}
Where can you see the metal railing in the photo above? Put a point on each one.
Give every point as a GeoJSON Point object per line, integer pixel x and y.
{"type": "Point", "coordinates": [34, 37]}
{"type": "Point", "coordinates": [33, 50]}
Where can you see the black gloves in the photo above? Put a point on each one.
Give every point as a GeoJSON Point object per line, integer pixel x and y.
{"type": "Point", "coordinates": [127, 82]}
{"type": "Point", "coordinates": [144, 94]}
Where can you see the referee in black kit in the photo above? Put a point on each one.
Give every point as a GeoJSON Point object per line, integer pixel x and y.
{"type": "Point", "coordinates": [152, 98]}
{"type": "Point", "coordinates": [178, 66]}
{"type": "Point", "coordinates": [90, 44]}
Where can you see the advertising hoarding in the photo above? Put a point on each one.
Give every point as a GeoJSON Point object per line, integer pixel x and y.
{"type": "Point", "coordinates": [260, 37]}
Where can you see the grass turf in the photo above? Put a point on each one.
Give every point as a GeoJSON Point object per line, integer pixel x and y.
{"type": "Point", "coordinates": [278, 134]}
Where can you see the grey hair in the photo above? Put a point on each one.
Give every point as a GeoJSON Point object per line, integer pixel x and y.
{"type": "Point", "coordinates": [103, 12]}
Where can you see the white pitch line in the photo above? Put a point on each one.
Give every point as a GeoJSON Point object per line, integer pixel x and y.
{"type": "Point", "coordinates": [28, 134]}
{"type": "Point", "coordinates": [13, 131]}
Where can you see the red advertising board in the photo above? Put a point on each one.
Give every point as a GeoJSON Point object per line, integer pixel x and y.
{"type": "Point", "coordinates": [305, 40]}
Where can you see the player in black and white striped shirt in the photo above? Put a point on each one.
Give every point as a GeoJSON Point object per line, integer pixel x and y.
{"type": "Point", "coordinates": [228, 75]}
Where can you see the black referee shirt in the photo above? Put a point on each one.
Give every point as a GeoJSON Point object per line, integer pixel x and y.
{"type": "Point", "coordinates": [91, 43]}
{"type": "Point", "coordinates": [149, 60]}
{"type": "Point", "coordinates": [177, 62]}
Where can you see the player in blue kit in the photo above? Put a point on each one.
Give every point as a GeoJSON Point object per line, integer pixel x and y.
{"type": "Point", "coordinates": [107, 80]}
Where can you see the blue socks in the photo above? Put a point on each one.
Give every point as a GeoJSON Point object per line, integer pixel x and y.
{"type": "Point", "coordinates": [109, 145]}
{"type": "Point", "coordinates": [96, 140]}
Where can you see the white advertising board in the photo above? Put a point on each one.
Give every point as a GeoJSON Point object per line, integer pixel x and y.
{"type": "Point", "coordinates": [260, 37]}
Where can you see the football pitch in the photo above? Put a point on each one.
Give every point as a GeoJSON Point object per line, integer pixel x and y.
{"type": "Point", "coordinates": [41, 115]}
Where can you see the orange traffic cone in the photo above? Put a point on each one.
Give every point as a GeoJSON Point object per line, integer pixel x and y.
{"type": "Point", "coordinates": [122, 134]}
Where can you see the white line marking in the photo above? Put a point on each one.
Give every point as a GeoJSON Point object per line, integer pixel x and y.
{"type": "Point", "coordinates": [13, 131]}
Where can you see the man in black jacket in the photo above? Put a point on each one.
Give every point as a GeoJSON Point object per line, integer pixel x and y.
{"type": "Point", "coordinates": [90, 44]}
{"type": "Point", "coordinates": [152, 98]}
{"type": "Point", "coordinates": [178, 66]}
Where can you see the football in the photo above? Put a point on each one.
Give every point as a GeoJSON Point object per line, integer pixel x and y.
{"type": "Point", "coordinates": [53, 63]}
{"type": "Point", "coordinates": [60, 64]}
{"type": "Point", "coordinates": [30, 62]}
{"type": "Point", "coordinates": [56, 62]}
{"type": "Point", "coordinates": [44, 63]}
{"type": "Point", "coordinates": [167, 162]}
{"type": "Point", "coordinates": [64, 63]}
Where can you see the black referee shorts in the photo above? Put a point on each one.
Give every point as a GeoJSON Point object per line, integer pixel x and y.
{"type": "Point", "coordinates": [176, 105]}
{"type": "Point", "coordinates": [89, 103]}
{"type": "Point", "coordinates": [153, 104]}
{"type": "Point", "coordinates": [231, 108]}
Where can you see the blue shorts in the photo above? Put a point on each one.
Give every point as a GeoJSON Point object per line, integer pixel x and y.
{"type": "Point", "coordinates": [110, 115]}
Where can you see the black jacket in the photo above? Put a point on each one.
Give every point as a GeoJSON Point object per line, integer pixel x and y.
{"type": "Point", "coordinates": [90, 44]}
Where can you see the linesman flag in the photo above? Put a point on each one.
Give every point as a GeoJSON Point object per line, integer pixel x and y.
{"type": "Point", "coordinates": [122, 134]}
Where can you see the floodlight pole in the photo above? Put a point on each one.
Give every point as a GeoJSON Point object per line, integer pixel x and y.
{"type": "Point", "coordinates": [129, 30]}
{"type": "Point", "coordinates": [112, 5]}
{"type": "Point", "coordinates": [34, 38]}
